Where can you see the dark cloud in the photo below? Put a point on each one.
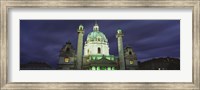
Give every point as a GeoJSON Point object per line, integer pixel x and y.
{"type": "Point", "coordinates": [41, 40]}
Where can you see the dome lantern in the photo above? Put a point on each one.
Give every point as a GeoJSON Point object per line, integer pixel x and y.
{"type": "Point", "coordinates": [96, 27]}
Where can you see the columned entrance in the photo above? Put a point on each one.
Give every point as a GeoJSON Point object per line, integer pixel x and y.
{"type": "Point", "coordinates": [102, 68]}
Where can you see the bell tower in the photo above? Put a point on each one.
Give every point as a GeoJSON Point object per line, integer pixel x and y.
{"type": "Point", "coordinates": [66, 57]}
{"type": "Point", "coordinates": [130, 58]}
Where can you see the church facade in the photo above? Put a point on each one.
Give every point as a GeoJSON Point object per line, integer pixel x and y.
{"type": "Point", "coordinates": [93, 54]}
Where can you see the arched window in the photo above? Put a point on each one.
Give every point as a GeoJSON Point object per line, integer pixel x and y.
{"type": "Point", "coordinates": [130, 53]}
{"type": "Point", "coordinates": [98, 39]}
{"type": "Point", "coordinates": [88, 51]}
{"type": "Point", "coordinates": [99, 50]}
{"type": "Point", "coordinates": [67, 49]}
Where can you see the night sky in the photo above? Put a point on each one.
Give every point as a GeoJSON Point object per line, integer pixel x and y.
{"type": "Point", "coordinates": [41, 40]}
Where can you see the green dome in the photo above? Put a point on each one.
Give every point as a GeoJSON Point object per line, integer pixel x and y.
{"type": "Point", "coordinates": [96, 36]}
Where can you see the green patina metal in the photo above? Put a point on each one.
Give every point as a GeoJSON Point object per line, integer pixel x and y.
{"type": "Point", "coordinates": [93, 57]}
{"type": "Point", "coordinates": [99, 57]}
{"type": "Point", "coordinates": [108, 58]}
{"type": "Point", "coordinates": [95, 35]}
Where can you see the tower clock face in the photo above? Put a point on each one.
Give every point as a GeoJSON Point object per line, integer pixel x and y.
{"type": "Point", "coordinates": [131, 62]}
{"type": "Point", "coordinates": [66, 60]}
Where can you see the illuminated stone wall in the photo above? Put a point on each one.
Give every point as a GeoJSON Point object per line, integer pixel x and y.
{"type": "Point", "coordinates": [96, 43]}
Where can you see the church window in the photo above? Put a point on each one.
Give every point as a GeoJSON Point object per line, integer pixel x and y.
{"type": "Point", "coordinates": [88, 51]}
{"type": "Point", "coordinates": [67, 49]}
{"type": "Point", "coordinates": [98, 39]}
{"type": "Point", "coordinates": [130, 53]}
{"type": "Point", "coordinates": [66, 60]}
{"type": "Point", "coordinates": [99, 50]}
{"type": "Point", "coordinates": [131, 62]}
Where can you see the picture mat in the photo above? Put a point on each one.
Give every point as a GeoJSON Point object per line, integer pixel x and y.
{"type": "Point", "coordinates": [183, 75]}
